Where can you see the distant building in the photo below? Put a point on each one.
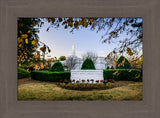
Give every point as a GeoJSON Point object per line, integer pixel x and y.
{"type": "Point", "coordinates": [100, 63]}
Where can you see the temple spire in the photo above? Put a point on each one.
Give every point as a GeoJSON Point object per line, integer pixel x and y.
{"type": "Point", "coordinates": [73, 49]}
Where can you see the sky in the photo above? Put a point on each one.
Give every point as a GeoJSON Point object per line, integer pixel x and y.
{"type": "Point", "coordinates": [61, 40]}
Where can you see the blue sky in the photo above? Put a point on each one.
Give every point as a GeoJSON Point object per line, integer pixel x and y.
{"type": "Point", "coordinates": [61, 40]}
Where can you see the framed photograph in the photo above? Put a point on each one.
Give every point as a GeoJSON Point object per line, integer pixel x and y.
{"type": "Point", "coordinates": [79, 59]}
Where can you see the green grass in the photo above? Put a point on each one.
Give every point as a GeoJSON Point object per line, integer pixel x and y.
{"type": "Point", "coordinates": [50, 91]}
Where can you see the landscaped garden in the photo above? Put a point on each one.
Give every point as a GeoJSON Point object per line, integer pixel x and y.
{"type": "Point", "coordinates": [118, 84]}
{"type": "Point", "coordinates": [110, 72]}
{"type": "Point", "coordinates": [38, 90]}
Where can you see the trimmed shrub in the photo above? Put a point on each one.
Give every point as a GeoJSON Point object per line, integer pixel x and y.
{"type": "Point", "coordinates": [50, 76]}
{"type": "Point", "coordinates": [88, 65]}
{"type": "Point", "coordinates": [123, 74]}
{"type": "Point", "coordinates": [57, 66]}
{"type": "Point", "coordinates": [22, 73]}
{"type": "Point", "coordinates": [115, 74]}
{"type": "Point", "coordinates": [123, 63]}
{"type": "Point", "coordinates": [112, 67]}
{"type": "Point", "coordinates": [107, 67]}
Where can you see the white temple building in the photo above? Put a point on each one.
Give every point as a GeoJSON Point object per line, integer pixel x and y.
{"type": "Point", "coordinates": [100, 63]}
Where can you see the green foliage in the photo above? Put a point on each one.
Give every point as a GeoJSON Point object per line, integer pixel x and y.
{"type": "Point", "coordinates": [50, 76]}
{"type": "Point", "coordinates": [57, 66]}
{"type": "Point", "coordinates": [62, 58]}
{"type": "Point", "coordinates": [123, 74]}
{"type": "Point", "coordinates": [107, 67]}
{"type": "Point", "coordinates": [123, 63]}
{"type": "Point", "coordinates": [88, 64]}
{"type": "Point", "coordinates": [22, 73]}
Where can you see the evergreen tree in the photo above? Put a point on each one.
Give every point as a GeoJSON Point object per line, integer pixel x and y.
{"type": "Point", "coordinates": [88, 64]}
{"type": "Point", "coordinates": [57, 66]}
{"type": "Point", "coordinates": [123, 63]}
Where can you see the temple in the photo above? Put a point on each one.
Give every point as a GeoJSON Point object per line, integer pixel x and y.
{"type": "Point", "coordinates": [100, 63]}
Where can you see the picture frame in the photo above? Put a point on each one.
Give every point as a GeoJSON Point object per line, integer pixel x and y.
{"type": "Point", "coordinates": [10, 107]}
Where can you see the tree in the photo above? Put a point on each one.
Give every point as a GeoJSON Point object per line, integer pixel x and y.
{"type": "Point", "coordinates": [62, 58]}
{"type": "Point", "coordinates": [28, 40]}
{"type": "Point", "coordinates": [136, 62]}
{"type": "Point", "coordinates": [57, 66]}
{"type": "Point", "coordinates": [111, 59]}
{"type": "Point", "coordinates": [123, 63]}
{"type": "Point", "coordinates": [26, 34]}
{"type": "Point", "coordinates": [70, 62]}
{"type": "Point", "coordinates": [88, 64]}
{"type": "Point", "coordinates": [113, 27]}
{"type": "Point", "coordinates": [90, 55]}
{"type": "Point", "coordinates": [107, 67]}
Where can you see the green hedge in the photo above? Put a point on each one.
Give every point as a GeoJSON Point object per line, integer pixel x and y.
{"type": "Point", "coordinates": [123, 74]}
{"type": "Point", "coordinates": [50, 76]}
{"type": "Point", "coordinates": [22, 73]}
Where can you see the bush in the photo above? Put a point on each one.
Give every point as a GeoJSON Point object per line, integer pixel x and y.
{"type": "Point", "coordinates": [107, 67]}
{"type": "Point", "coordinates": [123, 63]}
{"type": "Point", "coordinates": [22, 73]}
{"type": "Point", "coordinates": [112, 67]}
{"type": "Point", "coordinates": [50, 76]}
{"type": "Point", "coordinates": [114, 74]}
{"type": "Point", "coordinates": [123, 74]}
{"type": "Point", "coordinates": [88, 64]}
{"type": "Point", "coordinates": [57, 66]}
{"type": "Point", "coordinates": [86, 86]}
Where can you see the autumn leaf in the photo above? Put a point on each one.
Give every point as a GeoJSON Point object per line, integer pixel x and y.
{"type": "Point", "coordinates": [131, 21]}
{"type": "Point", "coordinates": [114, 51]}
{"type": "Point", "coordinates": [65, 26]}
{"type": "Point", "coordinates": [129, 52]}
{"type": "Point", "coordinates": [60, 19]}
{"type": "Point", "coordinates": [34, 23]}
{"type": "Point", "coordinates": [43, 49]}
{"type": "Point", "coordinates": [108, 56]}
{"type": "Point", "coordinates": [49, 50]}
{"type": "Point", "coordinates": [49, 20]}
{"type": "Point", "coordinates": [112, 33]}
{"type": "Point", "coordinates": [79, 22]}
{"type": "Point", "coordinates": [20, 25]}
{"type": "Point", "coordinates": [26, 41]}
{"type": "Point", "coordinates": [120, 51]}
{"type": "Point", "coordinates": [53, 20]}
{"type": "Point", "coordinates": [29, 31]}
{"type": "Point", "coordinates": [35, 41]}
{"type": "Point", "coordinates": [70, 24]}
{"type": "Point", "coordinates": [20, 40]}
{"type": "Point", "coordinates": [112, 19]}
{"type": "Point", "coordinates": [24, 36]}
{"type": "Point", "coordinates": [85, 24]}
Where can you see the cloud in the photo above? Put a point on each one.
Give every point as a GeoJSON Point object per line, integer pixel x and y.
{"type": "Point", "coordinates": [101, 53]}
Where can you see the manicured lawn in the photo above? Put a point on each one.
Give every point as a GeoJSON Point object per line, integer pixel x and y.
{"type": "Point", "coordinates": [49, 91]}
